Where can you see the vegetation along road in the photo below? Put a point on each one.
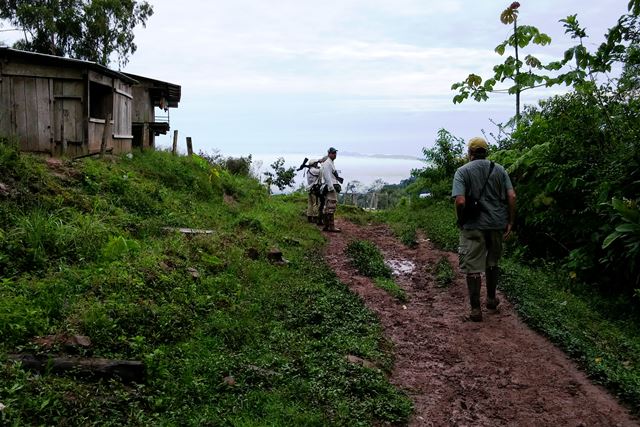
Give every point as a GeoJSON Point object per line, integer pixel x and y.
{"type": "Point", "coordinates": [457, 372]}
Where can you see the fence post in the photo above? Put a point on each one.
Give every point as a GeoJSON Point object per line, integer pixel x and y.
{"type": "Point", "coordinates": [105, 134]}
{"type": "Point", "coordinates": [175, 142]}
{"type": "Point", "coordinates": [189, 147]}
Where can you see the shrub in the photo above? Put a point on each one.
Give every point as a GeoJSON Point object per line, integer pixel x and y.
{"type": "Point", "coordinates": [238, 165]}
{"type": "Point", "coordinates": [443, 272]}
{"type": "Point", "coordinates": [367, 258]}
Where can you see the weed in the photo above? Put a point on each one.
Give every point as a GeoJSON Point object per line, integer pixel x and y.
{"type": "Point", "coordinates": [367, 258]}
{"type": "Point", "coordinates": [443, 272]}
{"type": "Point", "coordinates": [356, 214]}
{"type": "Point", "coordinates": [436, 219]}
{"type": "Point", "coordinates": [392, 288]}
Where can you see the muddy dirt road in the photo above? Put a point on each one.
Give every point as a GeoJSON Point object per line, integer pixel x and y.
{"type": "Point", "coordinates": [494, 373]}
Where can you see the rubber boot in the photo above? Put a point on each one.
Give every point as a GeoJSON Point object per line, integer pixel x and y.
{"type": "Point", "coordinates": [309, 218]}
{"type": "Point", "coordinates": [474, 282]}
{"type": "Point", "coordinates": [492, 275]}
{"type": "Point", "coordinates": [330, 224]}
{"type": "Point", "coordinates": [321, 219]}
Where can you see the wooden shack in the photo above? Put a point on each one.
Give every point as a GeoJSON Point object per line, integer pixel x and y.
{"type": "Point", "coordinates": [149, 95]}
{"type": "Point", "coordinates": [62, 106]}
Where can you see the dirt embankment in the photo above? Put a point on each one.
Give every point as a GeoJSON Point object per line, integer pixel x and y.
{"type": "Point", "coordinates": [494, 373]}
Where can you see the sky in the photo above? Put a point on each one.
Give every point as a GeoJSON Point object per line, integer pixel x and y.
{"type": "Point", "coordinates": [364, 76]}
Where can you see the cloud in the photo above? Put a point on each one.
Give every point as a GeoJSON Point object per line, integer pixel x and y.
{"type": "Point", "coordinates": [247, 66]}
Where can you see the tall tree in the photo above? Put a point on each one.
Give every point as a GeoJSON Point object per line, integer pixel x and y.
{"type": "Point", "coordinates": [85, 29]}
{"type": "Point", "coordinates": [511, 68]}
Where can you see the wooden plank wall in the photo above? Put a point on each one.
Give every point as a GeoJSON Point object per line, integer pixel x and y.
{"type": "Point", "coordinates": [5, 110]}
{"type": "Point", "coordinates": [142, 106]}
{"type": "Point", "coordinates": [96, 129]}
{"type": "Point", "coordinates": [122, 105]}
{"type": "Point", "coordinates": [122, 116]}
{"type": "Point", "coordinates": [47, 108]}
{"type": "Point", "coordinates": [68, 107]}
{"type": "Point", "coordinates": [30, 108]}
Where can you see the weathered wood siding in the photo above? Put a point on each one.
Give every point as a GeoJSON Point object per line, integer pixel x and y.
{"type": "Point", "coordinates": [69, 115]}
{"type": "Point", "coordinates": [47, 108]}
{"type": "Point", "coordinates": [26, 111]}
{"type": "Point", "coordinates": [143, 114]}
{"type": "Point", "coordinates": [122, 105]}
{"type": "Point", "coordinates": [142, 105]}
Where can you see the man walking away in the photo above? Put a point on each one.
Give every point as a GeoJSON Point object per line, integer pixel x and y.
{"type": "Point", "coordinates": [485, 209]}
{"type": "Point", "coordinates": [330, 188]}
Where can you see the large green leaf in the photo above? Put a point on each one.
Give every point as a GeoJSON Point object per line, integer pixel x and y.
{"type": "Point", "coordinates": [610, 239]}
{"type": "Point", "coordinates": [628, 228]}
{"type": "Point", "coordinates": [627, 211]}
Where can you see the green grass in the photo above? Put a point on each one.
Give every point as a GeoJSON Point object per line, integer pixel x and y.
{"type": "Point", "coordinates": [601, 333]}
{"type": "Point", "coordinates": [606, 344]}
{"type": "Point", "coordinates": [443, 272]}
{"type": "Point", "coordinates": [85, 252]}
{"type": "Point", "coordinates": [355, 214]}
{"type": "Point", "coordinates": [367, 259]}
{"type": "Point", "coordinates": [392, 288]}
{"type": "Point", "coordinates": [436, 219]}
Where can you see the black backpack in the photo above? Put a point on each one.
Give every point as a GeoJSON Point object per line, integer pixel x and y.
{"type": "Point", "coordinates": [472, 206]}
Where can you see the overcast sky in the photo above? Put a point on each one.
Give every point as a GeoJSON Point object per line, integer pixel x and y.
{"type": "Point", "coordinates": [369, 76]}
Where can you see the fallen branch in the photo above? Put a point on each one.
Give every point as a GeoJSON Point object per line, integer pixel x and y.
{"type": "Point", "coordinates": [126, 370]}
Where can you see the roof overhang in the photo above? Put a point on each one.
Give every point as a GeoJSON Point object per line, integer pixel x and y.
{"type": "Point", "coordinates": [160, 90]}
{"type": "Point", "coordinates": [42, 58]}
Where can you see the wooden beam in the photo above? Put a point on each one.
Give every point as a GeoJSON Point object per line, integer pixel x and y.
{"type": "Point", "coordinates": [105, 134]}
{"type": "Point", "coordinates": [126, 370]}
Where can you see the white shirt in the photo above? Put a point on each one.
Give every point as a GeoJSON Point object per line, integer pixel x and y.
{"type": "Point", "coordinates": [328, 178]}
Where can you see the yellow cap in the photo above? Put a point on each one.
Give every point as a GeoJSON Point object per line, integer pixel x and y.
{"type": "Point", "coordinates": [476, 143]}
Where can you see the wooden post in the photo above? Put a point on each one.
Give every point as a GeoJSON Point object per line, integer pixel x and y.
{"type": "Point", "coordinates": [105, 134]}
{"type": "Point", "coordinates": [62, 137]}
{"type": "Point", "coordinates": [189, 147]}
{"type": "Point", "coordinates": [175, 142]}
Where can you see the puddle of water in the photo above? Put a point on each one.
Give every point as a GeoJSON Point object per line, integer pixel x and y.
{"type": "Point", "coordinates": [400, 266]}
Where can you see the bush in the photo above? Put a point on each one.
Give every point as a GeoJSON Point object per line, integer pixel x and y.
{"type": "Point", "coordinates": [444, 272]}
{"type": "Point", "coordinates": [367, 258]}
{"type": "Point", "coordinates": [238, 165]}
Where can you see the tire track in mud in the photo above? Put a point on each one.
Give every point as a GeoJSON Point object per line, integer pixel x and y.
{"type": "Point", "coordinates": [494, 373]}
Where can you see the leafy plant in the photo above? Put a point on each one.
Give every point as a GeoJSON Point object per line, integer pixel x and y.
{"type": "Point", "coordinates": [281, 177]}
{"type": "Point", "coordinates": [392, 288]}
{"type": "Point", "coordinates": [367, 258]}
{"type": "Point", "coordinates": [627, 234]}
{"type": "Point", "coordinates": [443, 272]}
{"type": "Point", "coordinates": [119, 246]}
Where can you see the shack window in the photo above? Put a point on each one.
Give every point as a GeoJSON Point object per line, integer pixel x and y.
{"type": "Point", "coordinates": [100, 101]}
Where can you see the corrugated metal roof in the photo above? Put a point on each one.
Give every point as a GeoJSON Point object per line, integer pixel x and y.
{"type": "Point", "coordinates": [62, 61]}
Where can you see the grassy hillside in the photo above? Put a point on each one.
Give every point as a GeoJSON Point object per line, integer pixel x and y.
{"type": "Point", "coordinates": [227, 336]}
